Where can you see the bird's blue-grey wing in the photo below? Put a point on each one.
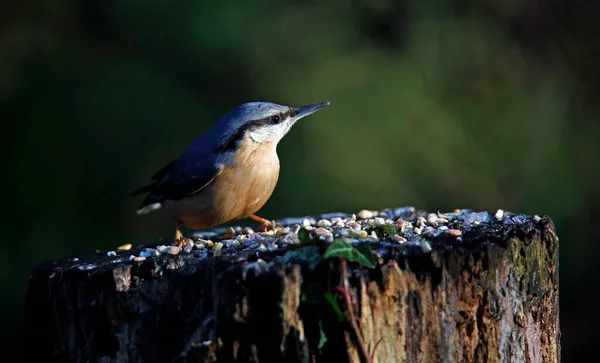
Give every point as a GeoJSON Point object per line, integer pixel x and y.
{"type": "Point", "coordinates": [180, 178]}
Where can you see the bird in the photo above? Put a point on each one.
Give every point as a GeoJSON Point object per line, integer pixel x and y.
{"type": "Point", "coordinates": [228, 173]}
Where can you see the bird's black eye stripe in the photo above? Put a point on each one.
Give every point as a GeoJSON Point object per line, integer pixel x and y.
{"type": "Point", "coordinates": [275, 119]}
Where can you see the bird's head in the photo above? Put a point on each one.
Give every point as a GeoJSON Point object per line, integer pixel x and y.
{"type": "Point", "coordinates": [260, 122]}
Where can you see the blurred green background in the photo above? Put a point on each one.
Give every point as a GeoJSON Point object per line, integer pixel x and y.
{"type": "Point", "coordinates": [436, 104]}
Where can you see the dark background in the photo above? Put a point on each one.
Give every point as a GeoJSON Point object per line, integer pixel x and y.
{"type": "Point", "coordinates": [459, 104]}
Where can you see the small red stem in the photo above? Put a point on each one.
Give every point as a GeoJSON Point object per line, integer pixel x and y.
{"type": "Point", "coordinates": [352, 320]}
{"type": "Point", "coordinates": [372, 358]}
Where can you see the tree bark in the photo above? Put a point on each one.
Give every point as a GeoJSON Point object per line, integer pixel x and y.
{"type": "Point", "coordinates": [488, 293]}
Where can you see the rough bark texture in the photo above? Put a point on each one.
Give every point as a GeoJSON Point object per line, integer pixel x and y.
{"type": "Point", "coordinates": [490, 297]}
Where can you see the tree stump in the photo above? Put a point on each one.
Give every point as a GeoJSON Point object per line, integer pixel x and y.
{"type": "Point", "coordinates": [451, 287]}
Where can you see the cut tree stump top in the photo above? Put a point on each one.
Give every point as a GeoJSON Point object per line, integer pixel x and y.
{"type": "Point", "coordinates": [460, 286]}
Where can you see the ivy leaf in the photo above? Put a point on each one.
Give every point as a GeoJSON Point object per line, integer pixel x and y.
{"type": "Point", "coordinates": [334, 304]}
{"type": "Point", "coordinates": [323, 338]}
{"type": "Point", "coordinates": [343, 248]}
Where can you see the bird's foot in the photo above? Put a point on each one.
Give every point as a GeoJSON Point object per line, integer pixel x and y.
{"type": "Point", "coordinates": [265, 224]}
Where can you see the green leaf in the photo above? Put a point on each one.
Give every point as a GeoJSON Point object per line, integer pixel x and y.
{"type": "Point", "coordinates": [343, 248]}
{"type": "Point", "coordinates": [331, 299]}
{"type": "Point", "coordinates": [323, 339]}
{"type": "Point", "coordinates": [304, 236]}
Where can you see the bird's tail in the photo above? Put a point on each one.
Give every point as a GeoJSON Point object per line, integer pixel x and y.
{"type": "Point", "coordinates": [144, 189]}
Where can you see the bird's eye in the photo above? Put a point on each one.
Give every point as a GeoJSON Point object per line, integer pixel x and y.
{"type": "Point", "coordinates": [275, 119]}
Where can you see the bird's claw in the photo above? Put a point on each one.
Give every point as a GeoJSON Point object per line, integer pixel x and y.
{"type": "Point", "coordinates": [270, 225]}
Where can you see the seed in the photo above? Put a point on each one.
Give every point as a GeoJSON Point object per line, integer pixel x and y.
{"type": "Point", "coordinates": [353, 225]}
{"type": "Point", "coordinates": [125, 247]}
{"type": "Point", "coordinates": [400, 225]}
{"type": "Point", "coordinates": [432, 219]}
{"type": "Point", "coordinates": [217, 246]}
{"type": "Point", "coordinates": [322, 232]}
{"type": "Point", "coordinates": [111, 253]}
{"type": "Point", "coordinates": [139, 258]}
{"type": "Point", "coordinates": [398, 238]}
{"type": "Point", "coordinates": [454, 233]}
{"type": "Point", "coordinates": [426, 247]}
{"type": "Point", "coordinates": [323, 223]}
{"type": "Point", "coordinates": [229, 234]}
{"type": "Point", "coordinates": [499, 214]}
{"type": "Point", "coordinates": [282, 232]}
{"type": "Point", "coordinates": [357, 233]}
{"type": "Point", "coordinates": [173, 250]}
{"type": "Point", "coordinates": [366, 214]}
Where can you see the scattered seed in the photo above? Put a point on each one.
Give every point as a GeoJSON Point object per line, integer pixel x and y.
{"type": "Point", "coordinates": [426, 247]}
{"type": "Point", "coordinates": [323, 223]}
{"type": "Point", "coordinates": [499, 214]}
{"type": "Point", "coordinates": [247, 230]}
{"type": "Point", "coordinates": [365, 214]}
{"type": "Point", "coordinates": [357, 233]}
{"type": "Point", "coordinates": [281, 232]}
{"type": "Point", "coordinates": [305, 222]}
{"type": "Point", "coordinates": [217, 246]}
{"type": "Point", "coordinates": [173, 250]}
{"type": "Point", "coordinates": [125, 247]}
{"type": "Point", "coordinates": [322, 232]}
{"type": "Point", "coordinates": [230, 242]}
{"type": "Point", "coordinates": [417, 230]}
{"type": "Point", "coordinates": [432, 219]}
{"type": "Point", "coordinates": [536, 218]}
{"type": "Point", "coordinates": [454, 233]}
{"type": "Point", "coordinates": [139, 258]}
{"type": "Point", "coordinates": [420, 222]}
{"type": "Point", "coordinates": [200, 245]}
{"type": "Point", "coordinates": [149, 252]}
{"type": "Point", "coordinates": [353, 225]}
{"type": "Point", "coordinates": [442, 217]}
{"type": "Point", "coordinates": [398, 238]}
{"type": "Point", "coordinates": [262, 247]}
{"type": "Point", "coordinates": [337, 222]}
{"type": "Point", "coordinates": [230, 233]}
{"type": "Point", "coordinates": [378, 221]}
{"type": "Point", "coordinates": [296, 229]}
{"type": "Point", "coordinates": [111, 253]}
{"type": "Point", "coordinates": [400, 225]}
{"type": "Point", "coordinates": [209, 243]}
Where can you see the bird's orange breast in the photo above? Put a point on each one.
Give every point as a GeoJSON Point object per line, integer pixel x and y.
{"type": "Point", "coordinates": [239, 190]}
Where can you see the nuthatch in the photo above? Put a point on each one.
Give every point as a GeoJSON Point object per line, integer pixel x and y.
{"type": "Point", "coordinates": [228, 173]}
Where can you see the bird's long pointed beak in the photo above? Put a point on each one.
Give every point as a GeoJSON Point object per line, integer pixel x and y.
{"type": "Point", "coordinates": [308, 110]}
